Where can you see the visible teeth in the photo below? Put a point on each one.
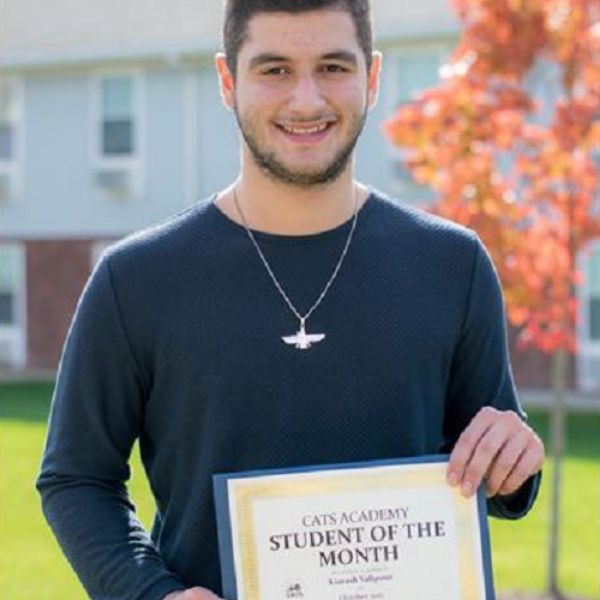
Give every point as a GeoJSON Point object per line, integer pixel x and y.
{"type": "Point", "coordinates": [305, 130]}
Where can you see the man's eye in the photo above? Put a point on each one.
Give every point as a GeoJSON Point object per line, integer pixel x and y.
{"type": "Point", "coordinates": [334, 69]}
{"type": "Point", "coordinates": [275, 71]}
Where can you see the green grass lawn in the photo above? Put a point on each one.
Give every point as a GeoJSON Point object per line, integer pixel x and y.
{"type": "Point", "coordinates": [31, 565]}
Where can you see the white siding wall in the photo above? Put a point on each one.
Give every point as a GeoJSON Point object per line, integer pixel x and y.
{"type": "Point", "coordinates": [48, 30]}
{"type": "Point", "coordinates": [189, 144]}
{"type": "Point", "coordinates": [60, 196]}
{"type": "Point", "coordinates": [33, 27]}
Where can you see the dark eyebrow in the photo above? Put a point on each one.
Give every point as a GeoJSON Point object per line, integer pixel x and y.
{"type": "Point", "coordinates": [271, 57]}
{"type": "Point", "coordinates": [266, 57]}
{"type": "Point", "coordinates": [342, 56]}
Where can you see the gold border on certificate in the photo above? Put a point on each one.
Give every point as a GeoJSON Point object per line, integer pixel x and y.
{"type": "Point", "coordinates": [244, 492]}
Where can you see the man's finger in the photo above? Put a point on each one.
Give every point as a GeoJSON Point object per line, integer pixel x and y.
{"type": "Point", "coordinates": [467, 442]}
{"type": "Point", "coordinates": [505, 462]}
{"type": "Point", "coordinates": [530, 462]}
{"type": "Point", "coordinates": [483, 457]}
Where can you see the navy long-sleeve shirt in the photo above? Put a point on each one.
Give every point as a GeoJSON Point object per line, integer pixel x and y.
{"type": "Point", "coordinates": [177, 341]}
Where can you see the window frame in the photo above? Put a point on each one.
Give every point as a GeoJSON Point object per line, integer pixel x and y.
{"type": "Point", "coordinates": [134, 163]}
{"type": "Point", "coordinates": [13, 167]}
{"type": "Point", "coordinates": [393, 58]}
{"type": "Point", "coordinates": [16, 333]}
{"type": "Point", "coordinates": [588, 349]}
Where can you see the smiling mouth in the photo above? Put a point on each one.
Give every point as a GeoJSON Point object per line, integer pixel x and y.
{"type": "Point", "coordinates": [306, 131]}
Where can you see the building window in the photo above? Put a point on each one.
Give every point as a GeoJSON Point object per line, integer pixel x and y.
{"type": "Point", "coordinates": [415, 73]}
{"type": "Point", "coordinates": [118, 118]}
{"type": "Point", "coordinates": [7, 309]}
{"type": "Point", "coordinates": [11, 102]}
{"type": "Point", "coordinates": [9, 120]}
{"type": "Point", "coordinates": [7, 124]}
{"type": "Point", "coordinates": [12, 305]}
{"type": "Point", "coordinates": [593, 299]}
{"type": "Point", "coordinates": [588, 353]}
{"type": "Point", "coordinates": [595, 318]}
{"type": "Point", "coordinates": [410, 73]}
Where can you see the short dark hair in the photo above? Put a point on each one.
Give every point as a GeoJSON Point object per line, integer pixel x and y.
{"type": "Point", "coordinates": [239, 12]}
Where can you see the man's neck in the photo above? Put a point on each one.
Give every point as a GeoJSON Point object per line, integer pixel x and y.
{"type": "Point", "coordinates": [282, 209]}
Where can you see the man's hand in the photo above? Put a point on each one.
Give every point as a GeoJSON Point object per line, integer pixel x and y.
{"type": "Point", "coordinates": [196, 593]}
{"type": "Point", "coordinates": [498, 446]}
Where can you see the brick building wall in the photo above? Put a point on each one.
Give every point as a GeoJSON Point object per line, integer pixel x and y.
{"type": "Point", "coordinates": [56, 274]}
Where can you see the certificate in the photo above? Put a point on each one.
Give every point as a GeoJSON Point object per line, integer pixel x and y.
{"type": "Point", "coordinates": [383, 530]}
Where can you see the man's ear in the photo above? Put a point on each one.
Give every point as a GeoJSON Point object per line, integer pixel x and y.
{"type": "Point", "coordinates": [226, 81]}
{"type": "Point", "coordinates": [374, 78]}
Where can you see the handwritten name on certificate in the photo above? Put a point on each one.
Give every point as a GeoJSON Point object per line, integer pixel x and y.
{"type": "Point", "coordinates": [381, 530]}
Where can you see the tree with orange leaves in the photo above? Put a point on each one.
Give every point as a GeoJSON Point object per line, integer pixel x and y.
{"type": "Point", "coordinates": [528, 187]}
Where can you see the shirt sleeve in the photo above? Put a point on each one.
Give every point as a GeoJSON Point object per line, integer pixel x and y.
{"type": "Point", "coordinates": [95, 417]}
{"type": "Point", "coordinates": [481, 373]}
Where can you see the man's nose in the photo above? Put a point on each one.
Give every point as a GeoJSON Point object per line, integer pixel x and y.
{"type": "Point", "coordinates": [307, 96]}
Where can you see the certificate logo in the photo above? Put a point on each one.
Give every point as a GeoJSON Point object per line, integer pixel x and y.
{"type": "Point", "coordinates": [294, 590]}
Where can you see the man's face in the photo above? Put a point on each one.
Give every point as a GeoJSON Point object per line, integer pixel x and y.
{"type": "Point", "coordinates": [301, 94]}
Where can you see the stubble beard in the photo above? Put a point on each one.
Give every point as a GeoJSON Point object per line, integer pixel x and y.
{"type": "Point", "coordinates": [275, 169]}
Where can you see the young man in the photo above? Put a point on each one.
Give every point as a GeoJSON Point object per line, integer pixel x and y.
{"type": "Point", "coordinates": [294, 318]}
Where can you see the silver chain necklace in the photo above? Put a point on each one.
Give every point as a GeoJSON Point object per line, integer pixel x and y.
{"type": "Point", "coordinates": [301, 339]}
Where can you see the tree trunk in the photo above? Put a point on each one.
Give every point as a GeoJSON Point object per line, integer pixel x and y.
{"type": "Point", "coordinates": [557, 438]}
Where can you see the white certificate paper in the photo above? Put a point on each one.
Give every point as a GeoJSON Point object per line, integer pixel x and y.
{"type": "Point", "coordinates": [384, 530]}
